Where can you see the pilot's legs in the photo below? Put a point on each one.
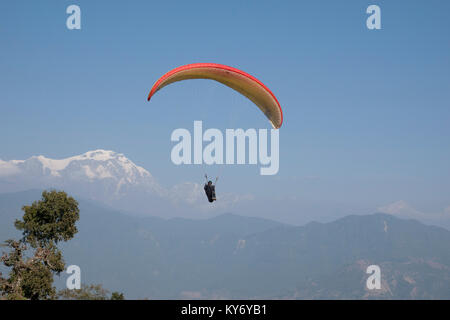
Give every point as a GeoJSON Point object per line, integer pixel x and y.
{"type": "Point", "coordinates": [213, 193]}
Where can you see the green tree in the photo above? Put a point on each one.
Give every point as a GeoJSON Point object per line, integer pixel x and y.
{"type": "Point", "coordinates": [45, 223]}
{"type": "Point", "coordinates": [50, 220]}
{"type": "Point", "coordinates": [86, 292]}
{"type": "Point", "coordinates": [89, 292]}
{"type": "Point", "coordinates": [117, 296]}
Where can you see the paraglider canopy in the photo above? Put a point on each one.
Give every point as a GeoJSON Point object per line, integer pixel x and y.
{"type": "Point", "coordinates": [236, 79]}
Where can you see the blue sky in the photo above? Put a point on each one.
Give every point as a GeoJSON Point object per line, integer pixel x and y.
{"type": "Point", "coordinates": [367, 113]}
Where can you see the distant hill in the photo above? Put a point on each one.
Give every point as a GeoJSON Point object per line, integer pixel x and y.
{"type": "Point", "coordinates": [331, 259]}
{"type": "Point", "coordinates": [231, 256]}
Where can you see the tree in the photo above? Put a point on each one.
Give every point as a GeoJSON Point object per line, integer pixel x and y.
{"type": "Point", "coordinates": [89, 292]}
{"type": "Point", "coordinates": [50, 220]}
{"type": "Point", "coordinates": [45, 223]}
{"type": "Point", "coordinates": [117, 296]}
{"type": "Point", "coordinates": [86, 292]}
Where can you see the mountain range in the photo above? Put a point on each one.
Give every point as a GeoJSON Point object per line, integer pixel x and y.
{"type": "Point", "coordinates": [109, 178]}
{"type": "Point", "coordinates": [225, 256]}
{"type": "Point", "coordinates": [231, 256]}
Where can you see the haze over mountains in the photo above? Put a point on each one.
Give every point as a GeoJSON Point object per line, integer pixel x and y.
{"type": "Point", "coordinates": [231, 256]}
{"type": "Point", "coordinates": [110, 178]}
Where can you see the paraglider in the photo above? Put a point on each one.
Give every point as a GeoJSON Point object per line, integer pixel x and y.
{"type": "Point", "coordinates": [210, 189]}
{"type": "Point", "coordinates": [236, 79]}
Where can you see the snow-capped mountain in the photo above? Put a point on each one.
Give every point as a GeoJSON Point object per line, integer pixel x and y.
{"type": "Point", "coordinates": [100, 175]}
{"type": "Point", "coordinates": [98, 164]}
{"type": "Point", "coordinates": [110, 178]}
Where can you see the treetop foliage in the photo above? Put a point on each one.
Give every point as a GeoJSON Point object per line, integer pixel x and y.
{"type": "Point", "coordinates": [51, 219]}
